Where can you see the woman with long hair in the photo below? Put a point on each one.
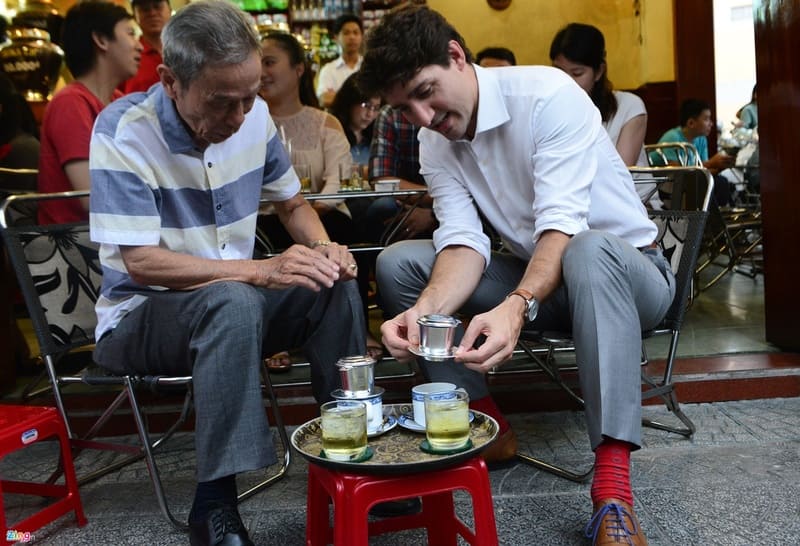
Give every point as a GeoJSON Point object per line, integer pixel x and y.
{"type": "Point", "coordinates": [313, 138]}
{"type": "Point", "coordinates": [580, 51]}
{"type": "Point", "coordinates": [356, 112]}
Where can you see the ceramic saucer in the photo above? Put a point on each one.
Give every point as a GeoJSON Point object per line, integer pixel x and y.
{"type": "Point", "coordinates": [389, 422]}
{"type": "Point", "coordinates": [406, 420]}
{"type": "Point", "coordinates": [433, 358]}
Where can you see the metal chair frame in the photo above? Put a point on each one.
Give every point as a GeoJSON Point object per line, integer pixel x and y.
{"type": "Point", "coordinates": [55, 343]}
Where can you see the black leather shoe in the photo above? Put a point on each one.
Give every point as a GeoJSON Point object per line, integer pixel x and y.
{"type": "Point", "coordinates": [222, 527]}
{"type": "Point", "coordinates": [402, 507]}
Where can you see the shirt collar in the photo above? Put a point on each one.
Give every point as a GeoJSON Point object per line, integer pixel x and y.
{"type": "Point", "coordinates": [175, 133]}
{"type": "Point", "coordinates": [340, 62]}
{"type": "Point", "coordinates": [492, 111]}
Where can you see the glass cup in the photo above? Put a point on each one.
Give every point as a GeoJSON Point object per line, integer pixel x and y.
{"type": "Point", "coordinates": [447, 419]}
{"type": "Point", "coordinates": [350, 176]}
{"type": "Point", "coordinates": [303, 171]}
{"type": "Point", "coordinates": [344, 429]}
{"type": "Point", "coordinates": [418, 393]}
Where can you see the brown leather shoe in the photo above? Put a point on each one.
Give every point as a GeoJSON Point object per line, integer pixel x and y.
{"type": "Point", "coordinates": [502, 450]}
{"type": "Point", "coordinates": [614, 523]}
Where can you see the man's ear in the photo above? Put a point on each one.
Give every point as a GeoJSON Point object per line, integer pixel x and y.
{"type": "Point", "coordinates": [456, 53]}
{"type": "Point", "coordinates": [100, 41]}
{"type": "Point", "coordinates": [168, 80]}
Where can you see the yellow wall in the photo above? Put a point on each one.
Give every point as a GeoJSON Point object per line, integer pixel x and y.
{"type": "Point", "coordinates": [640, 48]}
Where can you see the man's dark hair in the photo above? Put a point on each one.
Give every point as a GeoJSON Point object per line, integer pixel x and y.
{"type": "Point", "coordinates": [691, 108]}
{"type": "Point", "coordinates": [83, 19]}
{"type": "Point", "coordinates": [343, 20]}
{"type": "Point", "coordinates": [403, 43]}
{"type": "Point", "coordinates": [502, 53]}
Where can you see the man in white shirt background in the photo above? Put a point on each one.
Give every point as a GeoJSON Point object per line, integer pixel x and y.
{"type": "Point", "coordinates": [349, 32]}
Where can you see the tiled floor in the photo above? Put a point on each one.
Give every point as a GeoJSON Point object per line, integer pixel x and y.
{"type": "Point", "coordinates": [735, 483]}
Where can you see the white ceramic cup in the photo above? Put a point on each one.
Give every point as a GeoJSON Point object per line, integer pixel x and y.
{"type": "Point", "coordinates": [418, 398]}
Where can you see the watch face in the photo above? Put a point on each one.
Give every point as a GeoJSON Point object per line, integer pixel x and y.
{"type": "Point", "coordinates": [533, 309]}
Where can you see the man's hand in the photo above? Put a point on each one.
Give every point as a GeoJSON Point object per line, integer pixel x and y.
{"type": "Point", "coordinates": [501, 327]}
{"type": "Point", "coordinates": [342, 257]}
{"type": "Point", "coordinates": [301, 266]}
{"type": "Point", "coordinates": [420, 220]}
{"type": "Point", "coordinates": [719, 162]}
{"type": "Point", "coordinates": [400, 333]}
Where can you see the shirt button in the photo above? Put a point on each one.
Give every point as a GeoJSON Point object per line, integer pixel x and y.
{"type": "Point", "coordinates": [219, 207]}
{"type": "Point", "coordinates": [209, 164]}
{"type": "Point", "coordinates": [223, 246]}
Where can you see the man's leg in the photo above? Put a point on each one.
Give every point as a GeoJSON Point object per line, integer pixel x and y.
{"type": "Point", "coordinates": [613, 292]}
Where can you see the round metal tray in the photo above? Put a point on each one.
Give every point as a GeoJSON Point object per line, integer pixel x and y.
{"type": "Point", "coordinates": [397, 451]}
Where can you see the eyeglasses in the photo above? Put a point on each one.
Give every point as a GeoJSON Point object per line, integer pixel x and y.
{"type": "Point", "coordinates": [371, 107]}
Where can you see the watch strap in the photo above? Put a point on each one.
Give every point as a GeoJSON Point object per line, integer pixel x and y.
{"type": "Point", "coordinates": [525, 294]}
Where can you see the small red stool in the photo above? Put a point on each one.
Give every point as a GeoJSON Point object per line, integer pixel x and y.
{"type": "Point", "coordinates": [353, 495]}
{"type": "Point", "coordinates": [21, 426]}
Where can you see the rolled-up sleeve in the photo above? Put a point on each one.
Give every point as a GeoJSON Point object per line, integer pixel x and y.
{"type": "Point", "coordinates": [564, 161]}
{"type": "Point", "coordinates": [453, 205]}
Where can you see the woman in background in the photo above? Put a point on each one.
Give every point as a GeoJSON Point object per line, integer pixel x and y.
{"type": "Point", "coordinates": [356, 112]}
{"type": "Point", "coordinates": [312, 137]}
{"type": "Point", "coordinates": [580, 51]}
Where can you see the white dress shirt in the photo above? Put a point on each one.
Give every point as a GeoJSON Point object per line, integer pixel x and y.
{"type": "Point", "coordinates": [333, 74]}
{"type": "Point", "coordinates": [540, 160]}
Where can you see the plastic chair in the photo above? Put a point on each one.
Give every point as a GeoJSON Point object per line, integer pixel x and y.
{"type": "Point", "coordinates": [59, 273]}
{"type": "Point", "coordinates": [20, 427]}
{"type": "Point", "coordinates": [353, 495]}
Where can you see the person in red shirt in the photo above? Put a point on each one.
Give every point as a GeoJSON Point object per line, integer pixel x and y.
{"type": "Point", "coordinates": [101, 51]}
{"type": "Point", "coordinates": [151, 16]}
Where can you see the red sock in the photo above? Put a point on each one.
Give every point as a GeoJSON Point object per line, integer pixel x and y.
{"type": "Point", "coordinates": [612, 465]}
{"type": "Point", "coordinates": [487, 406]}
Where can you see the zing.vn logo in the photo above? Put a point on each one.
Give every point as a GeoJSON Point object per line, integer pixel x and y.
{"type": "Point", "coordinates": [18, 536]}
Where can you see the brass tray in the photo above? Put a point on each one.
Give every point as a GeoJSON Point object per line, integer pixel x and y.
{"type": "Point", "coordinates": [397, 451]}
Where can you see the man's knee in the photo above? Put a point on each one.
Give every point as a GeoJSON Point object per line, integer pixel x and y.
{"type": "Point", "coordinates": [590, 253]}
{"type": "Point", "coordinates": [237, 302]}
{"type": "Point", "coordinates": [404, 259]}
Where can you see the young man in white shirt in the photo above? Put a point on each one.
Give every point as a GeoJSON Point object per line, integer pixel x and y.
{"type": "Point", "coordinates": [349, 32]}
{"type": "Point", "coordinates": [525, 147]}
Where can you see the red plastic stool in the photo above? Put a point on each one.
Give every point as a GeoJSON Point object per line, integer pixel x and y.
{"type": "Point", "coordinates": [353, 495]}
{"type": "Point", "coordinates": [21, 426]}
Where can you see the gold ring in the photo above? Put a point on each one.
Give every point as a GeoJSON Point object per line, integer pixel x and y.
{"type": "Point", "coordinates": [353, 266]}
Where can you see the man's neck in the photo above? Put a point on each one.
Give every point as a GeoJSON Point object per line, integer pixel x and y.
{"type": "Point", "coordinates": [350, 58]}
{"type": "Point", "coordinates": [153, 41]}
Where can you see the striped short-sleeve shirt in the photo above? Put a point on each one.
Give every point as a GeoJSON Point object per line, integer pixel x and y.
{"type": "Point", "coordinates": [152, 186]}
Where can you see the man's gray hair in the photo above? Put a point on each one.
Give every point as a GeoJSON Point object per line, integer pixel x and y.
{"type": "Point", "coordinates": [207, 33]}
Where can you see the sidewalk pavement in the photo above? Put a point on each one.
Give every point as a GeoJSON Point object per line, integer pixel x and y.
{"type": "Point", "coordinates": [736, 482]}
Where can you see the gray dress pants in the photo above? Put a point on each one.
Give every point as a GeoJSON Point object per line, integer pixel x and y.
{"type": "Point", "coordinates": [610, 293]}
{"type": "Point", "coordinates": [219, 335]}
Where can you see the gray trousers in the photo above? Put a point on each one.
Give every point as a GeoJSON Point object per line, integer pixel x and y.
{"type": "Point", "coordinates": [611, 291]}
{"type": "Point", "coordinates": [219, 335]}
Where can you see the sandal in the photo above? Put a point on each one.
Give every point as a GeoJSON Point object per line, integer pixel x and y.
{"type": "Point", "coordinates": [279, 362]}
